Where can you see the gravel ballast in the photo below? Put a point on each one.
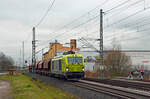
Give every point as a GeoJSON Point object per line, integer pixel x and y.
{"type": "Point", "coordinates": [68, 87]}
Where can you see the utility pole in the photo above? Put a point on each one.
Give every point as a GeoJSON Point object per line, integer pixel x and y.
{"type": "Point", "coordinates": [42, 54]}
{"type": "Point", "coordinates": [101, 37]}
{"type": "Point", "coordinates": [23, 53]}
{"type": "Point", "coordinates": [33, 50]}
{"type": "Point", "coordinates": [101, 45]}
{"type": "Point", "coordinates": [20, 63]}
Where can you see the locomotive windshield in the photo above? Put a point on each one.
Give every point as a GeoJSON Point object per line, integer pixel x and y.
{"type": "Point", "coordinates": [74, 59]}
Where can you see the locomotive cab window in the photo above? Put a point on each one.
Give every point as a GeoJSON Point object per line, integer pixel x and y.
{"type": "Point", "coordinates": [74, 59]}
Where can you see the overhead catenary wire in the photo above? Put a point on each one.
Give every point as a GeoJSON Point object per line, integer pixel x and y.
{"type": "Point", "coordinates": [124, 8]}
{"type": "Point", "coordinates": [41, 49]}
{"type": "Point", "coordinates": [76, 27]}
{"type": "Point", "coordinates": [147, 29]}
{"type": "Point", "coordinates": [123, 19]}
{"type": "Point", "coordinates": [46, 13]}
{"type": "Point", "coordinates": [110, 25]}
{"type": "Point", "coordinates": [136, 27]}
{"type": "Point", "coordinates": [140, 30]}
{"type": "Point", "coordinates": [117, 6]}
{"type": "Point", "coordinates": [40, 21]}
{"type": "Point", "coordinates": [82, 16]}
{"type": "Point", "coordinates": [106, 0]}
{"type": "Point", "coordinates": [42, 18]}
{"type": "Point", "coordinates": [131, 38]}
{"type": "Point", "coordinates": [92, 19]}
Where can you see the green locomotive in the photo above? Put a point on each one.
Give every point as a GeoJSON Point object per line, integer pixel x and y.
{"type": "Point", "coordinates": [68, 66]}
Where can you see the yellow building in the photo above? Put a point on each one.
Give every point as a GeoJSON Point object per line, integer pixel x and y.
{"type": "Point", "coordinates": [57, 47]}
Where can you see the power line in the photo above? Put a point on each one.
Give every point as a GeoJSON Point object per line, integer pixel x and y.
{"type": "Point", "coordinates": [83, 15]}
{"type": "Point", "coordinates": [41, 49]}
{"type": "Point", "coordinates": [106, 11]}
{"type": "Point", "coordinates": [132, 33]}
{"type": "Point", "coordinates": [124, 8]}
{"type": "Point", "coordinates": [141, 19]}
{"type": "Point", "coordinates": [117, 6]}
{"type": "Point", "coordinates": [132, 27]}
{"type": "Point", "coordinates": [49, 8]}
{"type": "Point", "coordinates": [76, 26]}
{"type": "Point", "coordinates": [134, 37]}
{"type": "Point", "coordinates": [123, 19]}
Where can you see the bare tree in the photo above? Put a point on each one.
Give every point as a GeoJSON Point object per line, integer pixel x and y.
{"type": "Point", "coordinates": [5, 61]}
{"type": "Point", "coordinates": [117, 63]}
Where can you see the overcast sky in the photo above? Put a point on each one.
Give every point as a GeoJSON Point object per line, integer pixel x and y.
{"type": "Point", "coordinates": [17, 17]}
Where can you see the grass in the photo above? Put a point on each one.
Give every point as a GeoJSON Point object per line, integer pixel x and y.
{"type": "Point", "coordinates": [23, 87]}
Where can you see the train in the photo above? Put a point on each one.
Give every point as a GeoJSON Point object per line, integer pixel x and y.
{"type": "Point", "coordinates": [70, 66]}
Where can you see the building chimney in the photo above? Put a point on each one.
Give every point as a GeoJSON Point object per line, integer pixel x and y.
{"type": "Point", "coordinates": [73, 43]}
{"type": "Point", "coordinates": [51, 45]}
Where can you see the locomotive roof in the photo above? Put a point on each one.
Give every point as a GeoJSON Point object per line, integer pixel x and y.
{"type": "Point", "coordinates": [68, 55]}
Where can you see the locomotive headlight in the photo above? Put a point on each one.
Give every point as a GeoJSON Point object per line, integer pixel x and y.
{"type": "Point", "coordinates": [67, 69]}
{"type": "Point", "coordinates": [83, 69]}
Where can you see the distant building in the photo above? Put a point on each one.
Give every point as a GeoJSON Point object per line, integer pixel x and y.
{"type": "Point", "coordinates": [57, 49]}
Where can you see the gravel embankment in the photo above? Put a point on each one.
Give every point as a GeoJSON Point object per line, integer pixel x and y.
{"type": "Point", "coordinates": [66, 86]}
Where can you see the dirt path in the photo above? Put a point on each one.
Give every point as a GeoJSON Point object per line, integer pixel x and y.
{"type": "Point", "coordinates": [4, 89]}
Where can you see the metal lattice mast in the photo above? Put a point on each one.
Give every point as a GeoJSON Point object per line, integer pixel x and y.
{"type": "Point", "coordinates": [23, 53]}
{"type": "Point", "coordinates": [101, 38]}
{"type": "Point", "coordinates": [42, 54]}
{"type": "Point", "coordinates": [33, 50]}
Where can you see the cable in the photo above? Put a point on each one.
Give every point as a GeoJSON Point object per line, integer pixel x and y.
{"type": "Point", "coordinates": [111, 24]}
{"type": "Point", "coordinates": [132, 27]}
{"type": "Point", "coordinates": [134, 37]}
{"type": "Point", "coordinates": [76, 26]}
{"type": "Point", "coordinates": [117, 6]}
{"type": "Point", "coordinates": [89, 19]}
{"type": "Point", "coordinates": [49, 8]}
{"type": "Point", "coordinates": [128, 16]}
{"type": "Point", "coordinates": [143, 20]}
{"type": "Point", "coordinates": [41, 49]}
{"type": "Point", "coordinates": [132, 33]}
{"type": "Point", "coordinates": [41, 20]}
{"type": "Point", "coordinates": [124, 8]}
{"type": "Point", "coordinates": [83, 15]}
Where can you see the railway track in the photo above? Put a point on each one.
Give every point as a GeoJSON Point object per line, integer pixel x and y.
{"type": "Point", "coordinates": [115, 91]}
{"type": "Point", "coordinates": [119, 92]}
{"type": "Point", "coordinates": [134, 85]}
